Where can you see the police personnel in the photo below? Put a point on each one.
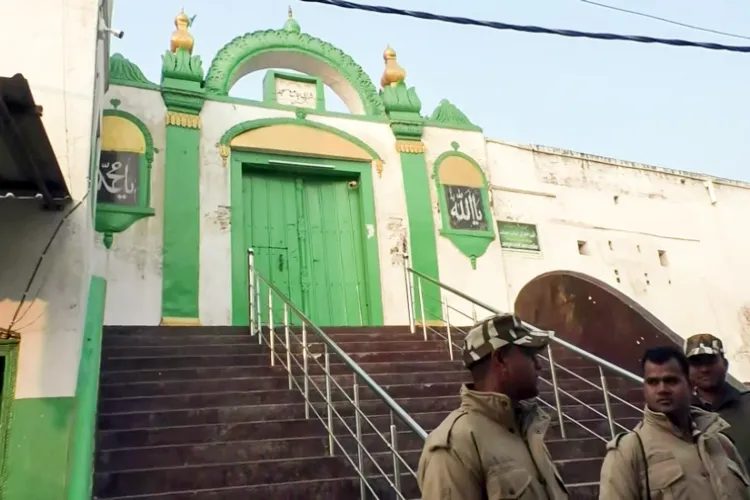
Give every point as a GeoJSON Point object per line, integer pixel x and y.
{"type": "Point", "coordinates": [708, 374]}
{"type": "Point", "coordinates": [676, 452]}
{"type": "Point", "coordinates": [492, 446]}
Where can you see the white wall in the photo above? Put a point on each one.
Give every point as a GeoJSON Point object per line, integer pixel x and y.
{"type": "Point", "coordinates": [56, 45]}
{"type": "Point", "coordinates": [132, 266]}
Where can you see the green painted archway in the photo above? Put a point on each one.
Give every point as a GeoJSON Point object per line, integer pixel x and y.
{"type": "Point", "coordinates": [290, 49]}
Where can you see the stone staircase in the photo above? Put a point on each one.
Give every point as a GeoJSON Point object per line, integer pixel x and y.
{"type": "Point", "coordinates": [197, 413]}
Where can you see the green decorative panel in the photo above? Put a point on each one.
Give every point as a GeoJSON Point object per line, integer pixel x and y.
{"type": "Point", "coordinates": [124, 72]}
{"type": "Point", "coordinates": [123, 173]}
{"type": "Point", "coordinates": [226, 68]}
{"type": "Point", "coordinates": [463, 195]}
{"type": "Point", "coordinates": [9, 357]}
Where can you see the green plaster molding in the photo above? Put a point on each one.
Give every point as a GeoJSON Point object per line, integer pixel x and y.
{"type": "Point", "coordinates": [124, 72]}
{"type": "Point", "coordinates": [447, 115]}
{"type": "Point", "coordinates": [83, 434]}
{"type": "Point", "coordinates": [472, 243]}
{"type": "Point", "coordinates": [182, 83]}
{"type": "Point", "coordinates": [227, 65]}
{"type": "Point", "coordinates": [243, 127]}
{"type": "Point", "coordinates": [403, 107]}
{"type": "Point", "coordinates": [112, 218]}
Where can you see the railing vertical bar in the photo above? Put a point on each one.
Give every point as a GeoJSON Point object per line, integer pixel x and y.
{"type": "Point", "coordinates": [358, 429]}
{"type": "Point", "coordinates": [556, 390]}
{"type": "Point", "coordinates": [446, 314]}
{"type": "Point", "coordinates": [421, 308]}
{"type": "Point", "coordinates": [271, 331]}
{"type": "Point", "coordinates": [607, 405]}
{"type": "Point", "coordinates": [409, 293]}
{"type": "Point", "coordinates": [306, 369]}
{"type": "Point", "coordinates": [251, 289]}
{"type": "Point", "coordinates": [328, 400]}
{"type": "Point", "coordinates": [287, 345]}
{"type": "Point", "coordinates": [396, 461]}
{"type": "Point", "coordinates": [259, 322]}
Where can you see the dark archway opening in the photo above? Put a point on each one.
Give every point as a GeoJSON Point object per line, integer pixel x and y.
{"type": "Point", "coordinates": [594, 316]}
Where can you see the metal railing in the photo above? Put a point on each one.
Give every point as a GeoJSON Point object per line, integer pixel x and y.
{"type": "Point", "coordinates": [288, 339]}
{"type": "Point", "coordinates": [416, 284]}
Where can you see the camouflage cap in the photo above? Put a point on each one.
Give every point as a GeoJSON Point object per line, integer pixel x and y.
{"type": "Point", "coordinates": [498, 331]}
{"type": "Point", "coordinates": [703, 343]}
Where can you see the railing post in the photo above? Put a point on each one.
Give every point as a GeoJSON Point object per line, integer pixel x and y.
{"type": "Point", "coordinates": [358, 428]}
{"type": "Point", "coordinates": [607, 406]}
{"type": "Point", "coordinates": [421, 307]}
{"type": "Point", "coordinates": [556, 390]}
{"type": "Point", "coordinates": [271, 332]}
{"type": "Point", "coordinates": [409, 293]}
{"type": "Point", "coordinates": [446, 314]}
{"type": "Point", "coordinates": [329, 403]}
{"type": "Point", "coordinates": [251, 289]}
{"type": "Point", "coordinates": [258, 322]}
{"type": "Point", "coordinates": [396, 461]}
{"type": "Point", "coordinates": [474, 313]}
{"type": "Point", "coordinates": [288, 346]}
{"type": "Point", "coordinates": [305, 368]}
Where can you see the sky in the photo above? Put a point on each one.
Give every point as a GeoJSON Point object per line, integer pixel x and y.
{"type": "Point", "coordinates": [680, 108]}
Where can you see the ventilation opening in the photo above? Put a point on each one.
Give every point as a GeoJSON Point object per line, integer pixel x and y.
{"type": "Point", "coordinates": [663, 260]}
{"type": "Point", "coordinates": [583, 248]}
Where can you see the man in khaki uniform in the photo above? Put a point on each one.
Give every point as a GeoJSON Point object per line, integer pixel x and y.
{"type": "Point", "coordinates": [492, 446]}
{"type": "Point", "coordinates": [676, 452]}
{"type": "Point", "coordinates": [708, 374]}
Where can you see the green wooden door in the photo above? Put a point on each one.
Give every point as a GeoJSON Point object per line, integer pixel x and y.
{"type": "Point", "coordinates": [308, 241]}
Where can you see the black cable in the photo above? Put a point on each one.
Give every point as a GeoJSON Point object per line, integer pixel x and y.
{"type": "Point", "coordinates": [665, 20]}
{"type": "Point", "coordinates": [529, 29]}
{"type": "Point", "coordinates": [9, 331]}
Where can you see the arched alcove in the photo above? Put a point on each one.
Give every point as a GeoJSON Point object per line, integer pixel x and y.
{"type": "Point", "coordinates": [594, 316]}
{"type": "Point", "coordinates": [296, 51]}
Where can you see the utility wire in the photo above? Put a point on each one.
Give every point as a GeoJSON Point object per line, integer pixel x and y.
{"type": "Point", "coordinates": [529, 29]}
{"type": "Point", "coordinates": [664, 19]}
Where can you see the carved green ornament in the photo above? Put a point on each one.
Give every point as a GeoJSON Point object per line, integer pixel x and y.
{"type": "Point", "coordinates": [182, 82]}
{"type": "Point", "coordinates": [124, 72]}
{"type": "Point", "coordinates": [403, 108]}
{"type": "Point", "coordinates": [181, 65]}
{"type": "Point", "coordinates": [227, 66]}
{"type": "Point", "coordinates": [449, 116]}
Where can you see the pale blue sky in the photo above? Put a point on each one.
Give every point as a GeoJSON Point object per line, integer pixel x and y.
{"type": "Point", "coordinates": [680, 108]}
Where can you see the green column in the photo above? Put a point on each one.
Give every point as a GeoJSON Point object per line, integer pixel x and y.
{"type": "Point", "coordinates": [183, 94]}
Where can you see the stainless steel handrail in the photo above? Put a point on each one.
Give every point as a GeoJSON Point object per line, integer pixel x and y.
{"type": "Point", "coordinates": [255, 279]}
{"type": "Point", "coordinates": [602, 364]}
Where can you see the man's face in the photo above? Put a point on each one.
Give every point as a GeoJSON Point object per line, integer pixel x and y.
{"type": "Point", "coordinates": [521, 367]}
{"type": "Point", "coordinates": [707, 371]}
{"type": "Point", "coordinates": [666, 387]}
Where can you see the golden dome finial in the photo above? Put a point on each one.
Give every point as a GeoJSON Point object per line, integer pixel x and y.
{"type": "Point", "coordinates": [181, 37]}
{"type": "Point", "coordinates": [393, 73]}
{"type": "Point", "coordinates": [291, 14]}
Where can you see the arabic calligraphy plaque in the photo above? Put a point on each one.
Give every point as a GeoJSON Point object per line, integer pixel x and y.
{"type": "Point", "coordinates": [465, 208]}
{"type": "Point", "coordinates": [119, 178]}
{"type": "Point", "coordinates": [298, 94]}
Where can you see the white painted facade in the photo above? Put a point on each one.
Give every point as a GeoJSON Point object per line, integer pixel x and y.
{"type": "Point", "coordinates": [64, 61]}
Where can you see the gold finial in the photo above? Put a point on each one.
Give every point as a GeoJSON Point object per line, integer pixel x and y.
{"type": "Point", "coordinates": [291, 15]}
{"type": "Point", "coordinates": [393, 73]}
{"type": "Point", "coordinates": [181, 38]}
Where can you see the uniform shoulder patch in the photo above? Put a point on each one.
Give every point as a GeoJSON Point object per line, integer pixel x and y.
{"type": "Point", "coordinates": [441, 436]}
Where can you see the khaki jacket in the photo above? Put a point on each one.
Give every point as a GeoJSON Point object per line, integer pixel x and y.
{"type": "Point", "coordinates": [704, 465]}
{"type": "Point", "coordinates": [486, 449]}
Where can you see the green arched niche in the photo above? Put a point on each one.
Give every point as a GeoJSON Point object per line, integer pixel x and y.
{"type": "Point", "coordinates": [296, 51]}
{"type": "Point", "coordinates": [464, 201]}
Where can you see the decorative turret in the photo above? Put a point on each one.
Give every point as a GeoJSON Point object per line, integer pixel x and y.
{"type": "Point", "coordinates": [291, 25]}
{"type": "Point", "coordinates": [181, 38]}
{"type": "Point", "coordinates": [393, 73]}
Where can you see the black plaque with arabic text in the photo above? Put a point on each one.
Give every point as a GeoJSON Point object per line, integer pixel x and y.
{"type": "Point", "coordinates": [119, 178]}
{"type": "Point", "coordinates": [465, 208]}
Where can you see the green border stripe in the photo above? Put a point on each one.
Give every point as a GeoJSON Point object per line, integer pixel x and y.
{"type": "Point", "coordinates": [83, 435]}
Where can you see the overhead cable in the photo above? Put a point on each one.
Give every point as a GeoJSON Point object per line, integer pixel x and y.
{"type": "Point", "coordinates": [530, 29]}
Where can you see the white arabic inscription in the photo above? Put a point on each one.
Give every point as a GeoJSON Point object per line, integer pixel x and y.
{"type": "Point", "coordinates": [113, 177]}
{"type": "Point", "coordinates": [299, 94]}
{"type": "Point", "coordinates": [466, 207]}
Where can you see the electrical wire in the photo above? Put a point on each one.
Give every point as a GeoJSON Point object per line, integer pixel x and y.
{"type": "Point", "coordinates": [530, 29]}
{"type": "Point", "coordinates": [665, 20]}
